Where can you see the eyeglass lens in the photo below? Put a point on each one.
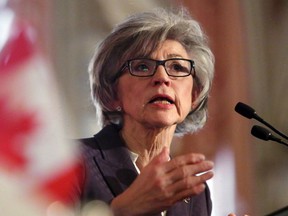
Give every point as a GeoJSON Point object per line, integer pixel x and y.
{"type": "Point", "coordinates": [147, 67]}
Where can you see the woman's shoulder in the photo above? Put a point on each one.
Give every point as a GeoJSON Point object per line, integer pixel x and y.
{"type": "Point", "coordinates": [106, 142]}
{"type": "Point", "coordinates": [105, 135]}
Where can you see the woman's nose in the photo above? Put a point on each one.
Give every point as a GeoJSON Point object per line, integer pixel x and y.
{"type": "Point", "coordinates": [160, 76]}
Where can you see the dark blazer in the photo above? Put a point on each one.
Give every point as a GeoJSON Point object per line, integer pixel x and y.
{"type": "Point", "coordinates": [107, 171]}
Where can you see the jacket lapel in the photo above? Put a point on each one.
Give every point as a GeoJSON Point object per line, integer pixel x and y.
{"type": "Point", "coordinates": [114, 162]}
{"type": "Point", "coordinates": [180, 208]}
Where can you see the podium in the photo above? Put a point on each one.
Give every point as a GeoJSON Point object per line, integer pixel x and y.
{"type": "Point", "coordinates": [281, 212]}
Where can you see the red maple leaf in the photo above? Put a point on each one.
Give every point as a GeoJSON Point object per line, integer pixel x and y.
{"type": "Point", "coordinates": [60, 186]}
{"type": "Point", "coordinates": [15, 126]}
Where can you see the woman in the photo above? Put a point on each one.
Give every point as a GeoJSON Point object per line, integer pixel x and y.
{"type": "Point", "coordinates": [150, 78]}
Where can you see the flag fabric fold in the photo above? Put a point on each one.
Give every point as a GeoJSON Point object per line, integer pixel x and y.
{"type": "Point", "coordinates": [35, 156]}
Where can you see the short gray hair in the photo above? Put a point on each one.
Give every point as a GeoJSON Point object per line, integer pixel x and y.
{"type": "Point", "coordinates": [140, 35]}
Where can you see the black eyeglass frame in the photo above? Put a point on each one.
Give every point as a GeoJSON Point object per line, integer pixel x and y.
{"type": "Point", "coordinates": [127, 64]}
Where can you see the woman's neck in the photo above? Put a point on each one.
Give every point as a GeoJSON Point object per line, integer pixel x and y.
{"type": "Point", "coordinates": [147, 143]}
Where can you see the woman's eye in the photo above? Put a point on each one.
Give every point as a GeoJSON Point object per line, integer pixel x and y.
{"type": "Point", "coordinates": [178, 67]}
{"type": "Point", "coordinates": [141, 68]}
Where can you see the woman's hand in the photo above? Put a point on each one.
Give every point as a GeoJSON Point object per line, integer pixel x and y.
{"type": "Point", "coordinates": [162, 183]}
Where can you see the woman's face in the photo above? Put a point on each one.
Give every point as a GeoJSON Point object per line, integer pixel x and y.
{"type": "Point", "coordinates": [158, 101]}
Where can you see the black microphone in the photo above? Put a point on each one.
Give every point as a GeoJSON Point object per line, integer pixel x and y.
{"type": "Point", "coordinates": [264, 134]}
{"type": "Point", "coordinates": [249, 112]}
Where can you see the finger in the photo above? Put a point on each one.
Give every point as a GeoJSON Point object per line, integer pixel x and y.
{"type": "Point", "coordinates": [162, 157]}
{"type": "Point", "coordinates": [189, 186]}
{"type": "Point", "coordinates": [188, 193]}
{"type": "Point", "coordinates": [189, 170]}
{"type": "Point", "coordinates": [179, 161]}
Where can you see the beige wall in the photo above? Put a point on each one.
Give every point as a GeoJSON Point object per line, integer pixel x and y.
{"type": "Point", "coordinates": [267, 27]}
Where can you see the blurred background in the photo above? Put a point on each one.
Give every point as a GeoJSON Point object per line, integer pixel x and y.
{"type": "Point", "coordinates": [249, 40]}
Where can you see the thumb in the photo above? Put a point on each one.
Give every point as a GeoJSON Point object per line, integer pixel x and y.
{"type": "Point", "coordinates": [162, 157]}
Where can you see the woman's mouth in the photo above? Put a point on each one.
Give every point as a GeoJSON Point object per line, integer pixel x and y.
{"type": "Point", "coordinates": [161, 100]}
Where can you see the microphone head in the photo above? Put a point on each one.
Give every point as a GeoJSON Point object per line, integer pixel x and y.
{"type": "Point", "coordinates": [261, 133]}
{"type": "Point", "coordinates": [245, 110]}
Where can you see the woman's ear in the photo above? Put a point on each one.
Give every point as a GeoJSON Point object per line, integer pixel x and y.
{"type": "Point", "coordinates": [195, 95]}
{"type": "Point", "coordinates": [117, 105]}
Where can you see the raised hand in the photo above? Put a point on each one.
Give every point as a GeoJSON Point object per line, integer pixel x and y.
{"type": "Point", "coordinates": [163, 182]}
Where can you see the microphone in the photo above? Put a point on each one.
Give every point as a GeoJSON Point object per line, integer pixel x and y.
{"type": "Point", "coordinates": [264, 134]}
{"type": "Point", "coordinates": [249, 112]}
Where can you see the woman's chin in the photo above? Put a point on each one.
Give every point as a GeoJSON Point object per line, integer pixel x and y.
{"type": "Point", "coordinates": [161, 123]}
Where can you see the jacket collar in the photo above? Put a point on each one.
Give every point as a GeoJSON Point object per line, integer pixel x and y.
{"type": "Point", "coordinates": [115, 162]}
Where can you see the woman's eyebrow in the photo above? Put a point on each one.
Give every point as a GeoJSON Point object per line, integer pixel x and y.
{"type": "Point", "coordinates": [174, 55]}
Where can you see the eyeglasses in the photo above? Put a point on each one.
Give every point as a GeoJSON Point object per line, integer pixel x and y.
{"type": "Point", "coordinates": [174, 67]}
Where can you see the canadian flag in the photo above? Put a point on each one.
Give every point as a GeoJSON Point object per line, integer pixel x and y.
{"type": "Point", "coordinates": [37, 162]}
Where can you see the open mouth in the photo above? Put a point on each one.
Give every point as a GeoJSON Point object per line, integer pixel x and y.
{"type": "Point", "coordinates": [161, 100]}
